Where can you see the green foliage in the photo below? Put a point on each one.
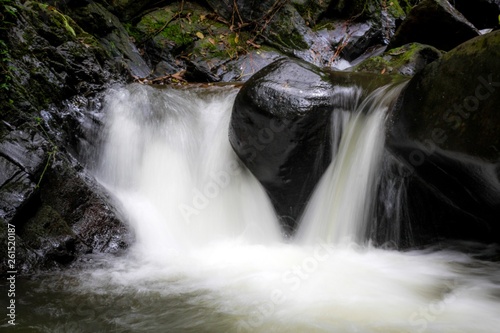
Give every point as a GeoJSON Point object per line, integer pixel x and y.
{"type": "Point", "coordinates": [7, 17]}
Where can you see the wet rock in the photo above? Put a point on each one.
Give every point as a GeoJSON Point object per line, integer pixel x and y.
{"type": "Point", "coordinates": [51, 59]}
{"type": "Point", "coordinates": [199, 72]}
{"type": "Point", "coordinates": [311, 10]}
{"type": "Point", "coordinates": [67, 218]}
{"type": "Point", "coordinates": [246, 65]}
{"type": "Point", "coordinates": [436, 23]}
{"type": "Point", "coordinates": [281, 127]}
{"type": "Point", "coordinates": [111, 33]}
{"type": "Point", "coordinates": [23, 157]}
{"type": "Point", "coordinates": [333, 41]}
{"type": "Point", "coordinates": [406, 60]}
{"type": "Point", "coordinates": [446, 132]}
{"type": "Point", "coordinates": [289, 33]}
{"type": "Point", "coordinates": [278, 114]}
{"type": "Point", "coordinates": [57, 70]}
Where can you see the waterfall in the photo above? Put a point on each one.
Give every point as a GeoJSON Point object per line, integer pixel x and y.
{"type": "Point", "coordinates": [168, 161]}
{"type": "Point", "coordinates": [209, 255]}
{"type": "Point", "coordinates": [342, 205]}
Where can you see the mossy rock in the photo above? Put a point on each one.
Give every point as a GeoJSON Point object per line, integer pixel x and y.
{"type": "Point", "coordinates": [406, 60]}
{"type": "Point", "coordinates": [288, 30]}
{"type": "Point", "coordinates": [445, 130]}
{"type": "Point", "coordinates": [443, 96]}
{"type": "Point", "coordinates": [190, 36]}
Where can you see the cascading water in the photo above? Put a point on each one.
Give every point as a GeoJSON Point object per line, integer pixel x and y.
{"type": "Point", "coordinates": [342, 204]}
{"type": "Point", "coordinates": [209, 255]}
{"type": "Point", "coordinates": [171, 167]}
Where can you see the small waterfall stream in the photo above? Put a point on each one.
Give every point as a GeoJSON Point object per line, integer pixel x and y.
{"type": "Point", "coordinates": [342, 204]}
{"type": "Point", "coordinates": [209, 255]}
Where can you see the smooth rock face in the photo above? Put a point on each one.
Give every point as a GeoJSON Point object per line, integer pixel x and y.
{"type": "Point", "coordinates": [445, 129]}
{"type": "Point", "coordinates": [436, 23]}
{"type": "Point", "coordinates": [281, 128]}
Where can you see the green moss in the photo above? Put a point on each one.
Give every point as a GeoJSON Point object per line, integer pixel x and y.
{"type": "Point", "coordinates": [396, 60]}
{"type": "Point", "coordinates": [133, 31]}
{"type": "Point", "coordinates": [58, 18]}
{"type": "Point", "coordinates": [178, 33]}
{"type": "Point", "coordinates": [394, 8]}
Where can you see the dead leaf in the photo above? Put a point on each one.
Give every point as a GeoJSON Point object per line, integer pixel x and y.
{"type": "Point", "coordinates": [236, 39]}
{"type": "Point", "coordinates": [200, 35]}
{"type": "Point", "coordinates": [211, 40]}
{"type": "Point", "coordinates": [383, 71]}
{"type": "Point", "coordinates": [202, 17]}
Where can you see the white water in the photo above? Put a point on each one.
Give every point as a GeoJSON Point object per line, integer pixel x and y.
{"type": "Point", "coordinates": [209, 256]}
{"type": "Point", "coordinates": [341, 206]}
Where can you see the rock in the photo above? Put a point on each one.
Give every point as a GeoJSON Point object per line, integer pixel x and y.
{"type": "Point", "coordinates": [289, 33]}
{"type": "Point", "coordinates": [128, 9]}
{"type": "Point", "coordinates": [406, 60]}
{"type": "Point", "coordinates": [191, 41]}
{"type": "Point", "coordinates": [67, 218]}
{"type": "Point", "coordinates": [49, 53]}
{"type": "Point", "coordinates": [445, 130]}
{"type": "Point", "coordinates": [332, 41]}
{"type": "Point", "coordinates": [436, 23]}
{"type": "Point", "coordinates": [56, 70]}
{"type": "Point", "coordinates": [281, 127]}
{"type": "Point", "coordinates": [199, 72]}
{"type": "Point", "coordinates": [23, 157]}
{"type": "Point", "coordinates": [242, 68]}
{"type": "Point", "coordinates": [311, 10]}
{"type": "Point", "coordinates": [482, 13]}
{"type": "Point", "coordinates": [98, 21]}
{"type": "Point", "coordinates": [243, 11]}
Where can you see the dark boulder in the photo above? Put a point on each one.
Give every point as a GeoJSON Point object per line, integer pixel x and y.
{"type": "Point", "coordinates": [436, 23]}
{"type": "Point", "coordinates": [281, 127]}
{"type": "Point", "coordinates": [482, 13]}
{"type": "Point", "coordinates": [445, 130]}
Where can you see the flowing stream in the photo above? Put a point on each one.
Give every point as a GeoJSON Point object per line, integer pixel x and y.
{"type": "Point", "coordinates": [209, 255]}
